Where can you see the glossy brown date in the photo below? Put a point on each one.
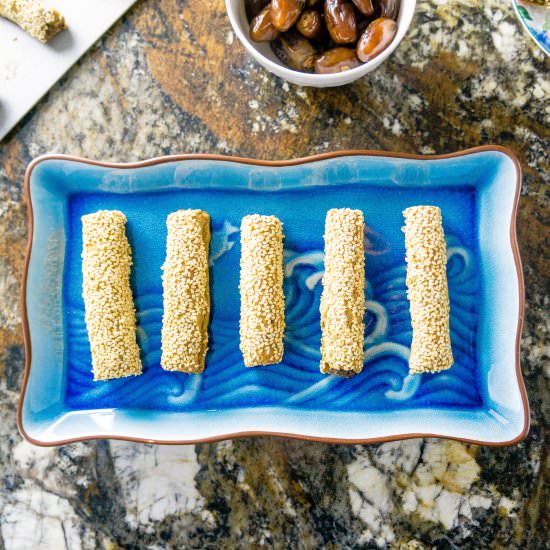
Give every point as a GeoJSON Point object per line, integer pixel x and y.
{"type": "Point", "coordinates": [362, 24]}
{"type": "Point", "coordinates": [364, 6]}
{"type": "Point", "coordinates": [376, 38]}
{"type": "Point", "coordinates": [295, 51]}
{"type": "Point", "coordinates": [262, 28]}
{"type": "Point", "coordinates": [284, 13]}
{"type": "Point", "coordinates": [340, 20]}
{"type": "Point", "coordinates": [310, 24]}
{"type": "Point", "coordinates": [336, 60]}
{"type": "Point", "coordinates": [389, 8]}
{"type": "Point", "coordinates": [312, 35]}
{"type": "Point", "coordinates": [254, 7]}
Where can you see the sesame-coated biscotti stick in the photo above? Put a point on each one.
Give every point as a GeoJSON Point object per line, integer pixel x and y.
{"type": "Point", "coordinates": [110, 312]}
{"type": "Point", "coordinates": [343, 298]}
{"type": "Point", "coordinates": [33, 16]}
{"type": "Point", "coordinates": [262, 299]}
{"type": "Point", "coordinates": [427, 290]}
{"type": "Point", "coordinates": [186, 292]}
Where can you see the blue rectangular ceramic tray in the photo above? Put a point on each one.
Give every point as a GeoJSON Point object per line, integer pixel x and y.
{"type": "Point", "coordinates": [481, 398]}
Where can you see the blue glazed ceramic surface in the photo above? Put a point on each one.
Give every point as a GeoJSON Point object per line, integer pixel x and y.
{"type": "Point", "coordinates": [159, 405]}
{"type": "Point", "coordinates": [296, 382]}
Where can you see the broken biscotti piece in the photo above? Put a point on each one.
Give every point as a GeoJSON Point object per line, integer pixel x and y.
{"type": "Point", "coordinates": [33, 16]}
{"type": "Point", "coordinates": [343, 298]}
{"type": "Point", "coordinates": [186, 292]}
{"type": "Point", "coordinates": [261, 285]}
{"type": "Point", "coordinates": [427, 290]}
{"type": "Point", "coordinates": [110, 313]}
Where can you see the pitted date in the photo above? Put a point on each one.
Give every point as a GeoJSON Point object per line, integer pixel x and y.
{"type": "Point", "coordinates": [336, 60]}
{"type": "Point", "coordinates": [325, 36]}
{"type": "Point", "coordinates": [295, 51]}
{"type": "Point", "coordinates": [310, 24]}
{"type": "Point", "coordinates": [262, 28]}
{"type": "Point", "coordinates": [340, 20]}
{"type": "Point", "coordinates": [362, 24]}
{"type": "Point", "coordinates": [376, 38]}
{"type": "Point", "coordinates": [285, 13]}
{"type": "Point", "coordinates": [366, 7]}
{"type": "Point", "coordinates": [389, 8]}
{"type": "Point", "coordinates": [254, 7]}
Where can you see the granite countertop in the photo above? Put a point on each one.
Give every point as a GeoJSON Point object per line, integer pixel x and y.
{"type": "Point", "coordinates": [171, 77]}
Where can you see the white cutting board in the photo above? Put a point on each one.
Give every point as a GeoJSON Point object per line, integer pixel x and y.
{"type": "Point", "coordinates": [28, 68]}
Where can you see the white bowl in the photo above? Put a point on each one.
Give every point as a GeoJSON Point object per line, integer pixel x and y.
{"type": "Point", "coordinates": [261, 51]}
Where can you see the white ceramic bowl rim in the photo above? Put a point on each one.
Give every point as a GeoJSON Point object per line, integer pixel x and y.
{"type": "Point", "coordinates": [405, 17]}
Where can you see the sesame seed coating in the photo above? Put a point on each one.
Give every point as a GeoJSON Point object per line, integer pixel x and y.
{"type": "Point", "coordinates": [186, 292]}
{"type": "Point", "coordinates": [427, 290]}
{"type": "Point", "coordinates": [110, 312]}
{"type": "Point", "coordinates": [33, 16]}
{"type": "Point", "coordinates": [262, 300]}
{"type": "Point", "coordinates": [343, 298]}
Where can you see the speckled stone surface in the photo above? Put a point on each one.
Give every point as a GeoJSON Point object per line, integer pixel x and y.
{"type": "Point", "coordinates": [170, 78]}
